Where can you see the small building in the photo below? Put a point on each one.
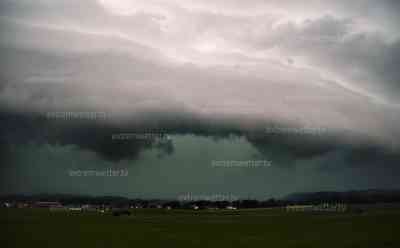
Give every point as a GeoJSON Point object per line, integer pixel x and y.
{"type": "Point", "coordinates": [231, 207]}
{"type": "Point", "coordinates": [7, 205]}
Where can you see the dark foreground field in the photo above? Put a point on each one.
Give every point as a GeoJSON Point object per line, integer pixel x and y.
{"type": "Point", "coordinates": [187, 228]}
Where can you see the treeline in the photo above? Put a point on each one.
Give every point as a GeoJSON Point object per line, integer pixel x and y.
{"type": "Point", "coordinates": [117, 201]}
{"type": "Point", "coordinates": [349, 197]}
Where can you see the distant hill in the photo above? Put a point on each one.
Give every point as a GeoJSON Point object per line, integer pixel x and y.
{"type": "Point", "coordinates": [360, 196]}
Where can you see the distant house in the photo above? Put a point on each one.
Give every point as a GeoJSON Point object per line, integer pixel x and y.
{"type": "Point", "coordinates": [231, 208]}
{"type": "Point", "coordinates": [7, 205]}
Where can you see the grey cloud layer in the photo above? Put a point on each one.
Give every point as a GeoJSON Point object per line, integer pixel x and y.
{"type": "Point", "coordinates": [330, 63]}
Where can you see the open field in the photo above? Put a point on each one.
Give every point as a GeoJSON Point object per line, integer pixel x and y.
{"type": "Point", "coordinates": [187, 228]}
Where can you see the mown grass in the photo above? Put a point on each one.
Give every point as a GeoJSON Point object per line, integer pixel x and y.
{"type": "Point", "coordinates": [189, 228]}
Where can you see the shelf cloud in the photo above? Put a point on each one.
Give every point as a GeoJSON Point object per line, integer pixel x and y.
{"type": "Point", "coordinates": [211, 69]}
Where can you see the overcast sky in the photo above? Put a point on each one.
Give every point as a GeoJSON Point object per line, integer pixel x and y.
{"type": "Point", "coordinates": [214, 75]}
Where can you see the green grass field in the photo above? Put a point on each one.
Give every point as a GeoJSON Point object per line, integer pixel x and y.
{"type": "Point", "coordinates": [187, 228]}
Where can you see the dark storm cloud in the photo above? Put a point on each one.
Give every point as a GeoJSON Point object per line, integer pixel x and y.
{"type": "Point", "coordinates": [34, 147]}
{"type": "Point", "coordinates": [331, 151]}
{"type": "Point", "coordinates": [213, 69]}
{"type": "Point", "coordinates": [19, 128]}
{"type": "Point", "coordinates": [285, 147]}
